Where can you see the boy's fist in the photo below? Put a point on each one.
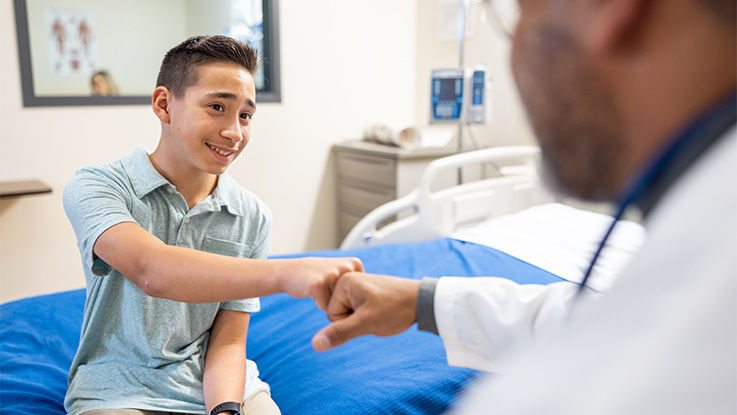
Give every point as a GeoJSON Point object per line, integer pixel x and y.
{"type": "Point", "coordinates": [315, 277]}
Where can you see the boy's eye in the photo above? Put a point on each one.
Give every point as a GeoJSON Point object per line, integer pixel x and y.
{"type": "Point", "coordinates": [246, 116]}
{"type": "Point", "coordinates": [216, 107]}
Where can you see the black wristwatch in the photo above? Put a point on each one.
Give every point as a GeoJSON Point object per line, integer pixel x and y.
{"type": "Point", "coordinates": [227, 406]}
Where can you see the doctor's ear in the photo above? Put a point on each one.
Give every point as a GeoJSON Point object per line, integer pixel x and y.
{"type": "Point", "coordinates": [615, 24]}
{"type": "Point", "coordinates": [160, 102]}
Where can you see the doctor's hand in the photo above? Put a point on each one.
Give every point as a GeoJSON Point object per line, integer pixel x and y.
{"type": "Point", "coordinates": [368, 304]}
{"type": "Point", "coordinates": [313, 277]}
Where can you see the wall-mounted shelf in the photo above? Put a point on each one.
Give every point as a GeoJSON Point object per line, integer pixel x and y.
{"type": "Point", "coordinates": [23, 188]}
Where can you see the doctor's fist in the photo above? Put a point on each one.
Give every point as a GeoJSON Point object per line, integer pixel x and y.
{"type": "Point", "coordinates": [314, 277]}
{"type": "Point", "coordinates": [368, 304]}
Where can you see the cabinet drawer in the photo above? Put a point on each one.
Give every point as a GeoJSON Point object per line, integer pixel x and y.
{"type": "Point", "coordinates": [346, 222]}
{"type": "Point", "coordinates": [377, 170]}
{"type": "Point", "coordinates": [360, 200]}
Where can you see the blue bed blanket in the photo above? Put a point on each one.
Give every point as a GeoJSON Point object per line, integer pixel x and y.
{"type": "Point", "coordinates": [404, 374]}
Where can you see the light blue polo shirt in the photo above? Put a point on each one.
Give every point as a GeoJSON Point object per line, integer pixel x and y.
{"type": "Point", "coordinates": [138, 351]}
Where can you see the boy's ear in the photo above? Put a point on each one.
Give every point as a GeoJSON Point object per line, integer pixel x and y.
{"type": "Point", "coordinates": [160, 102]}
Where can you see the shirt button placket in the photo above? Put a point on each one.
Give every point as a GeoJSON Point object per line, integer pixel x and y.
{"type": "Point", "coordinates": [183, 233]}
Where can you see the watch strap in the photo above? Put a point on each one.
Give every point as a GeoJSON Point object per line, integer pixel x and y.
{"type": "Point", "coordinates": [227, 406]}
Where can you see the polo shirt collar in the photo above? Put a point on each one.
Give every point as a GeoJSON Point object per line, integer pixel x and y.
{"type": "Point", "coordinates": [145, 179]}
{"type": "Point", "coordinates": [227, 194]}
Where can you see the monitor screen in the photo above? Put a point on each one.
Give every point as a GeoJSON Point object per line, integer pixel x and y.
{"type": "Point", "coordinates": [449, 89]}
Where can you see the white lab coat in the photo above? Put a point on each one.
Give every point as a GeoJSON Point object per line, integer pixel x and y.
{"type": "Point", "coordinates": [663, 340]}
{"type": "Point", "coordinates": [484, 320]}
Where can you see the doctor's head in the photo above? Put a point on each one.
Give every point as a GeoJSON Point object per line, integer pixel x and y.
{"type": "Point", "coordinates": [607, 82]}
{"type": "Point", "coordinates": [205, 98]}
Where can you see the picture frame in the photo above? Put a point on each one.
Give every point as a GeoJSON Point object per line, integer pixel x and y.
{"type": "Point", "coordinates": [34, 96]}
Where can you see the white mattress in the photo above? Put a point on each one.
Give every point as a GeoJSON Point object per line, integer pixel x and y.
{"type": "Point", "coordinates": [560, 239]}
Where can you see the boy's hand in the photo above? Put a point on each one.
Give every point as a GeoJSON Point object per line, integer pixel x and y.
{"type": "Point", "coordinates": [315, 277]}
{"type": "Point", "coordinates": [368, 304]}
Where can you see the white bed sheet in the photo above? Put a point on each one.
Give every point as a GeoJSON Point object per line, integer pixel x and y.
{"type": "Point", "coordinates": [560, 239]}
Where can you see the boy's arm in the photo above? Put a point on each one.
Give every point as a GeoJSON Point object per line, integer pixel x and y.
{"type": "Point", "coordinates": [189, 275]}
{"type": "Point", "coordinates": [225, 362]}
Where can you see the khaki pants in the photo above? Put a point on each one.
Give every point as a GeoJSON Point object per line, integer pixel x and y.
{"type": "Point", "coordinates": [259, 403]}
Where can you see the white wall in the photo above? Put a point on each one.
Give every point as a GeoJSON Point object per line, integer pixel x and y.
{"type": "Point", "coordinates": [343, 64]}
{"type": "Point", "coordinates": [486, 45]}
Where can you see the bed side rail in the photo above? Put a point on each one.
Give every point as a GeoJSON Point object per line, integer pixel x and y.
{"type": "Point", "coordinates": [424, 214]}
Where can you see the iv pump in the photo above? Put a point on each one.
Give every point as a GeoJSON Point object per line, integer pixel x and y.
{"type": "Point", "coordinates": [460, 95]}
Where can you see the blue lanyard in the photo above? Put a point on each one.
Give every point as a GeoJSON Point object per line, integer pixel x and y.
{"type": "Point", "coordinates": [662, 171]}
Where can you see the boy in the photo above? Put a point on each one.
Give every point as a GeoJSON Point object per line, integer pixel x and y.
{"type": "Point", "coordinates": [165, 323]}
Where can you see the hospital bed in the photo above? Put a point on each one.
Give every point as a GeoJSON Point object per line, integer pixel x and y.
{"type": "Point", "coordinates": [508, 231]}
{"type": "Point", "coordinates": [426, 214]}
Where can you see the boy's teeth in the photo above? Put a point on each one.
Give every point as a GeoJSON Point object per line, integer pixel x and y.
{"type": "Point", "coordinates": [219, 151]}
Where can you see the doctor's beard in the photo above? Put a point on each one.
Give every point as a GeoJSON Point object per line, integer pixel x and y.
{"type": "Point", "coordinates": [572, 114]}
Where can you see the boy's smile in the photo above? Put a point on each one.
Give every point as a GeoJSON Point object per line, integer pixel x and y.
{"type": "Point", "coordinates": [206, 128]}
{"type": "Point", "coordinates": [220, 151]}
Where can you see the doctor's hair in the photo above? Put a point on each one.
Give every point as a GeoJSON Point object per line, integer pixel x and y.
{"type": "Point", "coordinates": [179, 66]}
{"type": "Point", "coordinates": [724, 10]}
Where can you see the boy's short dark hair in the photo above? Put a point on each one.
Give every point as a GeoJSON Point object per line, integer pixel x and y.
{"type": "Point", "coordinates": [179, 67]}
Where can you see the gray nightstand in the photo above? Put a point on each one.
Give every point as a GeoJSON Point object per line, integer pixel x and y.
{"type": "Point", "coordinates": [369, 175]}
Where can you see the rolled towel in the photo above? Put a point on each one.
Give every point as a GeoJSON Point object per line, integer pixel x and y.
{"type": "Point", "coordinates": [407, 138]}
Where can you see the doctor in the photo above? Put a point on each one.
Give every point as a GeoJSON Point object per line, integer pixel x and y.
{"type": "Point", "coordinates": [632, 101]}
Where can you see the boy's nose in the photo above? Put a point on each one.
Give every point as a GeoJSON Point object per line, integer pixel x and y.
{"type": "Point", "coordinates": [233, 132]}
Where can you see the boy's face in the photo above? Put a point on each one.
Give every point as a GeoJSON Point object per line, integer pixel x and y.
{"type": "Point", "coordinates": [211, 123]}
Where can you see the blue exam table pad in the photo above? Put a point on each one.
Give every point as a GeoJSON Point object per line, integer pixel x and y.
{"type": "Point", "coordinates": [403, 374]}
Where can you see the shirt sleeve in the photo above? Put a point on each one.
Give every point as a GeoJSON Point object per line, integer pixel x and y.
{"type": "Point", "coordinates": [481, 319]}
{"type": "Point", "coordinates": [94, 202]}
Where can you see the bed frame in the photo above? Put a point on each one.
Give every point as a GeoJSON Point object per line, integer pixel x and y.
{"type": "Point", "coordinates": [424, 214]}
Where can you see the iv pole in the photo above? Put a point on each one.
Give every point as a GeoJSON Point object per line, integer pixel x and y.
{"type": "Point", "coordinates": [461, 38]}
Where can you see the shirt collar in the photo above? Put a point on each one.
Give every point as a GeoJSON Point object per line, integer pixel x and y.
{"type": "Point", "coordinates": [145, 179]}
{"type": "Point", "coordinates": [227, 195]}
